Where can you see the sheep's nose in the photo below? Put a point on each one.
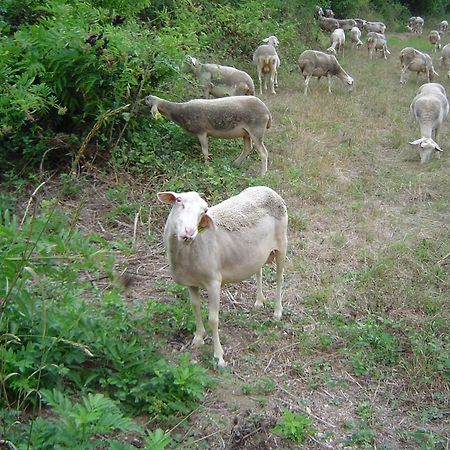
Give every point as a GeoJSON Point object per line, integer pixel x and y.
{"type": "Point", "coordinates": [188, 234]}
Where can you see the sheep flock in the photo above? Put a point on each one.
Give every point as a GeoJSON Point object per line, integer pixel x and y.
{"type": "Point", "coordinates": [208, 247]}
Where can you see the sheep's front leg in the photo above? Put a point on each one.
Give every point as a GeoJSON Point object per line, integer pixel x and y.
{"type": "Point", "coordinates": [199, 328]}
{"type": "Point", "coordinates": [213, 319]}
{"type": "Point", "coordinates": [259, 293]}
{"type": "Point", "coordinates": [307, 79]}
{"type": "Point", "coordinates": [403, 75]}
{"type": "Point", "coordinates": [329, 83]}
{"type": "Point", "coordinates": [203, 138]}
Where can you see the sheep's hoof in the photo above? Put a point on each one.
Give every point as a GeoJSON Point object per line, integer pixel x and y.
{"type": "Point", "coordinates": [221, 363]}
{"type": "Point", "coordinates": [197, 341]}
{"type": "Point", "coordinates": [259, 304]}
{"type": "Point", "coordinates": [277, 315]}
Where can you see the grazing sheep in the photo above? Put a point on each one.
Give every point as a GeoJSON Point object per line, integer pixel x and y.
{"type": "Point", "coordinates": [227, 243]}
{"type": "Point", "coordinates": [416, 61]}
{"type": "Point", "coordinates": [377, 41]}
{"type": "Point", "coordinates": [346, 24]}
{"type": "Point", "coordinates": [445, 58]}
{"type": "Point", "coordinates": [435, 39]}
{"type": "Point", "coordinates": [337, 42]}
{"type": "Point", "coordinates": [267, 63]}
{"type": "Point", "coordinates": [415, 24]}
{"type": "Point", "coordinates": [443, 26]}
{"type": "Point", "coordinates": [221, 81]}
{"type": "Point", "coordinates": [313, 63]}
{"type": "Point", "coordinates": [355, 36]}
{"type": "Point", "coordinates": [377, 27]}
{"type": "Point", "coordinates": [429, 108]}
{"type": "Point", "coordinates": [360, 23]}
{"type": "Point", "coordinates": [230, 118]}
{"type": "Point", "coordinates": [327, 23]}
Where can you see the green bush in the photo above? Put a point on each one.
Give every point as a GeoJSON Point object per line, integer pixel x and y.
{"type": "Point", "coordinates": [57, 330]}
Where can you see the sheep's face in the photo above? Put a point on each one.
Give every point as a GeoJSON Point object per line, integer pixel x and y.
{"type": "Point", "coordinates": [349, 83]}
{"type": "Point", "coordinates": [426, 148]}
{"type": "Point", "coordinates": [271, 40]}
{"type": "Point", "coordinates": [331, 51]}
{"type": "Point", "coordinates": [189, 215]}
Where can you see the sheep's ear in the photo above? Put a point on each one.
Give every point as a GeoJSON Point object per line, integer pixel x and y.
{"type": "Point", "coordinates": [192, 60]}
{"type": "Point", "coordinates": [167, 197]}
{"type": "Point", "coordinates": [417, 142]}
{"type": "Point", "coordinates": [266, 40]}
{"type": "Point", "coordinates": [206, 222]}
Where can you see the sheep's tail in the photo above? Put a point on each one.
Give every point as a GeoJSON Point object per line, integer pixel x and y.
{"type": "Point", "coordinates": [267, 64]}
{"type": "Point", "coordinates": [269, 122]}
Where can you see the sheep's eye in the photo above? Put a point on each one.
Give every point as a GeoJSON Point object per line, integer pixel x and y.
{"type": "Point", "coordinates": [206, 210]}
{"type": "Point", "coordinates": [178, 200]}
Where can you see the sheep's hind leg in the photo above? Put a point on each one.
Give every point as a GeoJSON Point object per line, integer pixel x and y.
{"type": "Point", "coordinates": [245, 151]}
{"type": "Point", "coordinates": [263, 153]}
{"type": "Point", "coordinates": [213, 319]}
{"type": "Point", "coordinates": [203, 138]}
{"type": "Point", "coordinates": [260, 82]}
{"type": "Point", "coordinates": [272, 82]}
{"type": "Point", "coordinates": [280, 257]}
{"type": "Point", "coordinates": [199, 327]}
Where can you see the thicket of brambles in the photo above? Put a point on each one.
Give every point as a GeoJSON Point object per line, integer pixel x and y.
{"type": "Point", "coordinates": [72, 78]}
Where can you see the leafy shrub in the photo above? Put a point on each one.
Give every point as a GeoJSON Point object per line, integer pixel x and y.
{"type": "Point", "coordinates": [295, 426]}
{"type": "Point", "coordinates": [53, 337]}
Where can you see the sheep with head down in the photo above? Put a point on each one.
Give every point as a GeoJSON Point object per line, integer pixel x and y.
{"type": "Point", "coordinates": [313, 63]}
{"type": "Point", "coordinates": [430, 108]}
{"type": "Point", "coordinates": [220, 81]}
{"type": "Point", "coordinates": [245, 117]}
{"type": "Point", "coordinates": [227, 243]}
{"type": "Point", "coordinates": [416, 61]}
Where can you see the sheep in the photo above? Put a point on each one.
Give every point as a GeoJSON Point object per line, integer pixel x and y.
{"type": "Point", "coordinates": [377, 41]}
{"type": "Point", "coordinates": [313, 63]}
{"type": "Point", "coordinates": [221, 81]}
{"type": "Point", "coordinates": [346, 24]}
{"type": "Point", "coordinates": [415, 24]}
{"type": "Point", "coordinates": [435, 39]}
{"type": "Point", "coordinates": [327, 23]}
{"type": "Point", "coordinates": [443, 26]}
{"type": "Point", "coordinates": [355, 36]}
{"type": "Point", "coordinates": [337, 42]}
{"type": "Point", "coordinates": [329, 13]}
{"type": "Point", "coordinates": [430, 108]}
{"type": "Point", "coordinates": [377, 27]}
{"type": "Point", "coordinates": [319, 11]}
{"type": "Point", "coordinates": [416, 61]}
{"type": "Point", "coordinates": [229, 117]}
{"type": "Point", "coordinates": [267, 62]}
{"type": "Point", "coordinates": [360, 23]}
{"type": "Point", "coordinates": [227, 243]}
{"type": "Point", "coordinates": [445, 58]}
